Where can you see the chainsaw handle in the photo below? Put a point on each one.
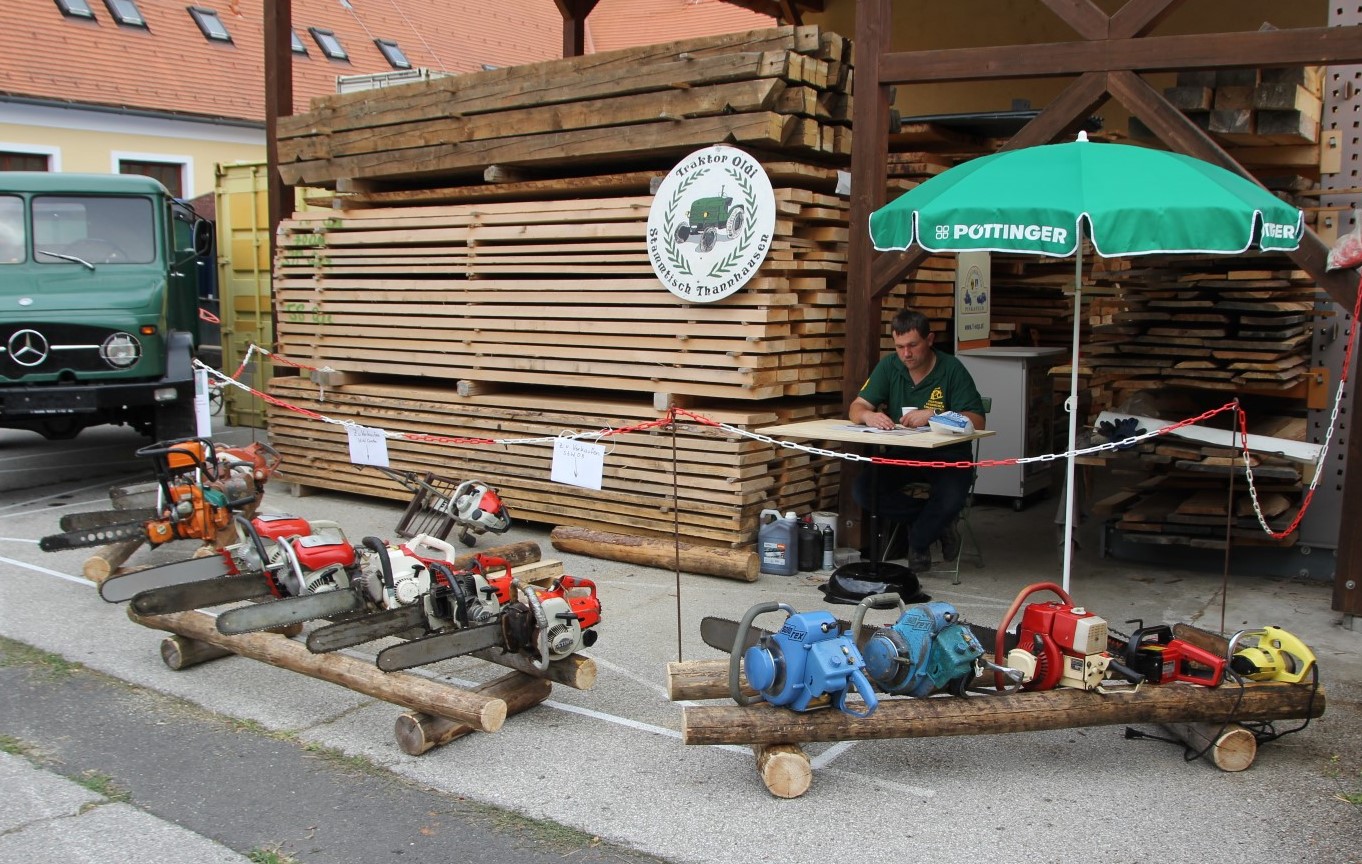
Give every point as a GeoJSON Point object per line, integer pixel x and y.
{"type": "Point", "coordinates": [385, 566]}
{"type": "Point", "coordinates": [492, 562]}
{"type": "Point", "coordinates": [874, 601]}
{"type": "Point", "coordinates": [541, 621]}
{"type": "Point", "coordinates": [570, 582]}
{"type": "Point", "coordinates": [735, 656]}
{"type": "Point", "coordinates": [867, 694]}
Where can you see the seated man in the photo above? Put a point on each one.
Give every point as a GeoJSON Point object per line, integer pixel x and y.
{"type": "Point", "coordinates": [914, 383]}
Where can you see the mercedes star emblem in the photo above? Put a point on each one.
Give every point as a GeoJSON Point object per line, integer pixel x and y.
{"type": "Point", "coordinates": [28, 347]}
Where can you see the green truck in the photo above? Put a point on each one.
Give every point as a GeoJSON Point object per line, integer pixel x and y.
{"type": "Point", "coordinates": [99, 304]}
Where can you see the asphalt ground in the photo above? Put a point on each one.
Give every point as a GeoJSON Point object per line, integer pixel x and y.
{"type": "Point", "coordinates": [609, 762]}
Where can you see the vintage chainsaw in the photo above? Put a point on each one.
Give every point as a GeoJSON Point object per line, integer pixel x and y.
{"type": "Point", "coordinates": [1059, 645]}
{"type": "Point", "coordinates": [811, 662]}
{"type": "Point", "coordinates": [198, 487]}
{"type": "Point", "coordinates": [254, 549]}
{"type": "Point", "coordinates": [929, 648]}
{"type": "Point", "coordinates": [439, 505]}
{"type": "Point", "coordinates": [1160, 658]}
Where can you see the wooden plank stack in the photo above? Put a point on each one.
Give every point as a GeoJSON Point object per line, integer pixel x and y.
{"type": "Point", "coordinates": [784, 90]}
{"type": "Point", "coordinates": [722, 481]}
{"type": "Point", "coordinates": [483, 272]}
{"type": "Point", "coordinates": [553, 293]}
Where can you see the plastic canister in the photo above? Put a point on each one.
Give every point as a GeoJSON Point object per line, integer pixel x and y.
{"type": "Point", "coordinates": [777, 543]}
{"type": "Point", "coordinates": [810, 545]}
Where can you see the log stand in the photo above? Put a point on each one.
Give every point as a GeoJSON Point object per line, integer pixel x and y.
{"type": "Point", "coordinates": [436, 714]}
{"type": "Point", "coordinates": [1195, 714]}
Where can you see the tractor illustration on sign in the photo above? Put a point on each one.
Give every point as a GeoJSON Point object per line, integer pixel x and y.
{"type": "Point", "coordinates": [709, 216]}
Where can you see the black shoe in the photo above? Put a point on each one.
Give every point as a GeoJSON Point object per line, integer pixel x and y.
{"type": "Point", "coordinates": [919, 562]}
{"type": "Point", "coordinates": [950, 542]}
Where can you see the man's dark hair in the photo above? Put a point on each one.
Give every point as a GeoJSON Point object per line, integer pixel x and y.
{"type": "Point", "coordinates": [910, 320]}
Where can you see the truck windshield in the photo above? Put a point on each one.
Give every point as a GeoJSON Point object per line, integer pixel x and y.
{"type": "Point", "coordinates": [93, 229]}
{"type": "Point", "coordinates": [11, 229]}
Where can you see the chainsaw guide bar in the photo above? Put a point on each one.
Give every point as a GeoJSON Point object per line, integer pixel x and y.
{"type": "Point", "coordinates": [202, 594]}
{"type": "Point", "coordinates": [440, 646]}
{"type": "Point", "coordinates": [357, 631]}
{"type": "Point", "coordinates": [125, 586]}
{"type": "Point", "coordinates": [286, 611]}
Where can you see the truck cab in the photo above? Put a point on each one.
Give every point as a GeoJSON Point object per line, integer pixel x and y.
{"type": "Point", "coordinates": [99, 319]}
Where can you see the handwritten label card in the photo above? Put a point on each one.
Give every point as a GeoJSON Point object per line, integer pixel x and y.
{"type": "Point", "coordinates": [577, 463]}
{"type": "Point", "coordinates": [367, 446]}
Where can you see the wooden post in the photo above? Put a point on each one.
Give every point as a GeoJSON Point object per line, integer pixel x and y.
{"type": "Point", "coordinates": [106, 559]}
{"type": "Point", "coordinates": [784, 768]}
{"type": "Point", "coordinates": [1012, 712]}
{"type": "Point", "coordinates": [180, 652]}
{"type": "Point", "coordinates": [1231, 748]}
{"type": "Point", "coordinates": [484, 713]}
{"type": "Point", "coordinates": [416, 732]}
{"type": "Point", "coordinates": [741, 564]}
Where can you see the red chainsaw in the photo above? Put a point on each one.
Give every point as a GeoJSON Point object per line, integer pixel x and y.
{"type": "Point", "coordinates": [1058, 644]}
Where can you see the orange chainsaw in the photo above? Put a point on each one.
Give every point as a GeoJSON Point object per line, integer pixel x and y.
{"type": "Point", "coordinates": [198, 486]}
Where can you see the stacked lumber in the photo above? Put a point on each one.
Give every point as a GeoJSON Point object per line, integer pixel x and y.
{"type": "Point", "coordinates": [561, 293]}
{"type": "Point", "coordinates": [1267, 119]}
{"type": "Point", "coordinates": [483, 272]}
{"type": "Point", "coordinates": [709, 484]}
{"type": "Point", "coordinates": [784, 90]}
{"type": "Point", "coordinates": [1227, 326]}
{"type": "Point", "coordinates": [1253, 106]}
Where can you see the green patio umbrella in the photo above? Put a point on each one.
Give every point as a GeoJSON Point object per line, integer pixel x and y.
{"type": "Point", "coordinates": [1125, 200]}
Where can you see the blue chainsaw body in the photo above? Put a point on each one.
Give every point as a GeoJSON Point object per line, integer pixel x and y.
{"type": "Point", "coordinates": [810, 657]}
{"type": "Point", "coordinates": [927, 649]}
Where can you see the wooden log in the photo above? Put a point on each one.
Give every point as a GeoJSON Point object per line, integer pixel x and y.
{"type": "Point", "coordinates": [784, 768]}
{"type": "Point", "coordinates": [180, 652]}
{"type": "Point", "coordinates": [701, 679]}
{"type": "Point", "coordinates": [573, 671]}
{"type": "Point", "coordinates": [106, 559]}
{"type": "Point", "coordinates": [1231, 747]}
{"type": "Point", "coordinates": [741, 564]}
{"type": "Point", "coordinates": [484, 713]}
{"type": "Point", "coordinates": [417, 732]}
{"type": "Point", "coordinates": [516, 554]}
{"type": "Point", "coordinates": [1014, 712]}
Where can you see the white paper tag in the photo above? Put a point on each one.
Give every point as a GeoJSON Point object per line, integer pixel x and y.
{"type": "Point", "coordinates": [577, 463]}
{"type": "Point", "coordinates": [367, 446]}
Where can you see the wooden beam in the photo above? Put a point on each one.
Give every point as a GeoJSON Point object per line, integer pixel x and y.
{"type": "Point", "coordinates": [995, 714]}
{"type": "Point", "coordinates": [1178, 132]}
{"type": "Point", "coordinates": [1238, 50]}
{"type": "Point", "coordinates": [574, 14]}
{"type": "Point", "coordinates": [869, 176]}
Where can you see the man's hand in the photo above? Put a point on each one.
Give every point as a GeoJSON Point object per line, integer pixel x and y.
{"type": "Point", "coordinates": [916, 418]}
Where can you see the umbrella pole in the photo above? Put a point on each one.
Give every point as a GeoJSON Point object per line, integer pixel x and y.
{"type": "Point", "coordinates": [1072, 405]}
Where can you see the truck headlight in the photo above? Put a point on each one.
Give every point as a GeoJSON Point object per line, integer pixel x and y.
{"type": "Point", "coordinates": [121, 350]}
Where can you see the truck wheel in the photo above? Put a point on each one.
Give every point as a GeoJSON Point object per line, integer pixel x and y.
{"type": "Point", "coordinates": [60, 430]}
{"type": "Point", "coordinates": [708, 239]}
{"type": "Point", "coordinates": [682, 233]}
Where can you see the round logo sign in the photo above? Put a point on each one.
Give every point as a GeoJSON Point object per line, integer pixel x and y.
{"type": "Point", "coordinates": [711, 223]}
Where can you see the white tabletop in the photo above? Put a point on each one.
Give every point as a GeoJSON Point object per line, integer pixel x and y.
{"type": "Point", "coordinates": [835, 429]}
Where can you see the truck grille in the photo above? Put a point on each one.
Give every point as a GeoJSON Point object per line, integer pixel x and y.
{"type": "Point", "coordinates": [49, 349]}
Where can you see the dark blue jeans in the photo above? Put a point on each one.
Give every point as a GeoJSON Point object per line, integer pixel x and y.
{"type": "Point", "coordinates": [930, 516]}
